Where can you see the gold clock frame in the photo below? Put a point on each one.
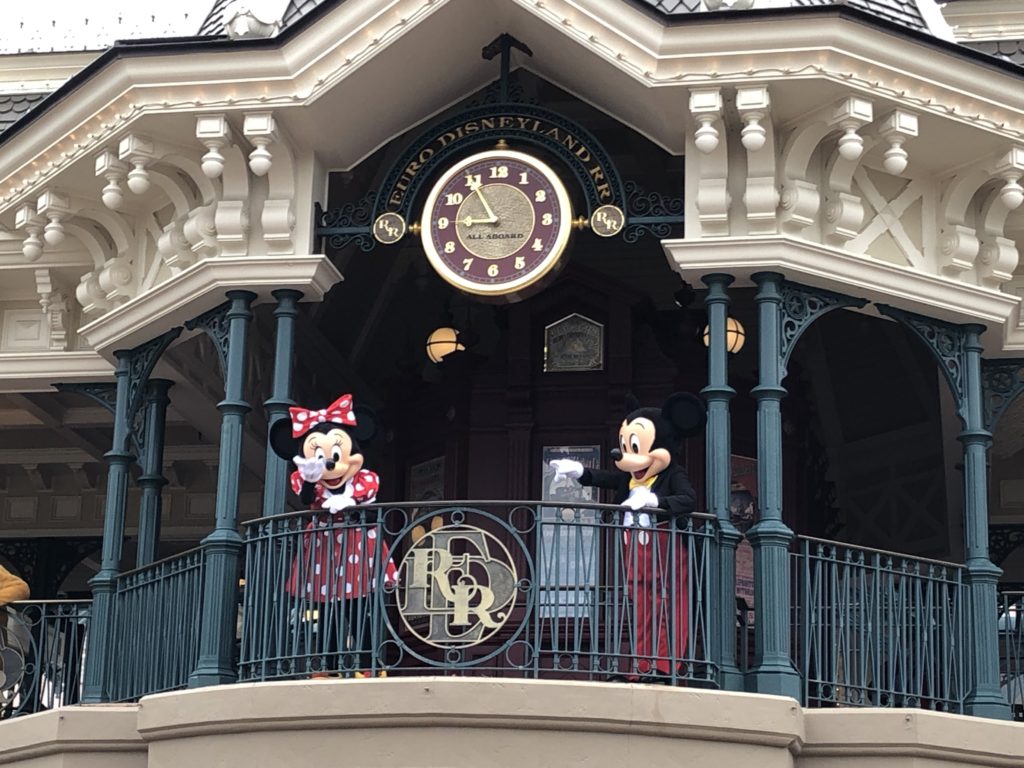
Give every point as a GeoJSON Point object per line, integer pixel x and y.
{"type": "Point", "coordinates": [526, 281]}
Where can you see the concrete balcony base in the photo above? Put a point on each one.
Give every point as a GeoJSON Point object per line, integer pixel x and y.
{"type": "Point", "coordinates": [430, 722]}
{"type": "Point", "coordinates": [97, 736]}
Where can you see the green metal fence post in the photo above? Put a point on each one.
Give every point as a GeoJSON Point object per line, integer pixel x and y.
{"type": "Point", "coordinates": [275, 478]}
{"type": "Point", "coordinates": [152, 480]}
{"type": "Point", "coordinates": [985, 698]}
{"type": "Point", "coordinates": [718, 451]}
{"type": "Point", "coordinates": [773, 670]}
{"type": "Point", "coordinates": [119, 458]}
{"type": "Point", "coordinates": [227, 326]}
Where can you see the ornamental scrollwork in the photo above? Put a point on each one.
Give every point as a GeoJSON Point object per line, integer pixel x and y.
{"type": "Point", "coordinates": [1003, 540]}
{"type": "Point", "coordinates": [650, 213]}
{"type": "Point", "coordinates": [1002, 382]}
{"type": "Point", "coordinates": [801, 306]}
{"type": "Point", "coordinates": [947, 342]}
{"type": "Point", "coordinates": [350, 223]}
{"type": "Point", "coordinates": [143, 359]}
{"type": "Point", "coordinates": [215, 324]}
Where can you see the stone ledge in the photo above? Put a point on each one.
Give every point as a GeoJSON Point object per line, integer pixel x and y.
{"type": "Point", "coordinates": [483, 702]}
{"type": "Point", "coordinates": [71, 732]}
{"type": "Point", "coordinates": [909, 733]}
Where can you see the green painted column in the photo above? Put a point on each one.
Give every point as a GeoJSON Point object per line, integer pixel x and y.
{"type": "Point", "coordinates": [985, 697]}
{"type": "Point", "coordinates": [275, 478]}
{"type": "Point", "coordinates": [222, 547]}
{"type": "Point", "coordinates": [773, 670]}
{"type": "Point", "coordinates": [718, 478]}
{"type": "Point", "coordinates": [119, 460]}
{"type": "Point", "coordinates": [152, 480]}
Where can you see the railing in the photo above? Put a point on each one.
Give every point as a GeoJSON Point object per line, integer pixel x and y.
{"type": "Point", "coordinates": [494, 588]}
{"type": "Point", "coordinates": [42, 652]}
{"type": "Point", "coordinates": [157, 610]}
{"type": "Point", "coordinates": [1011, 650]}
{"type": "Point", "coordinates": [878, 629]}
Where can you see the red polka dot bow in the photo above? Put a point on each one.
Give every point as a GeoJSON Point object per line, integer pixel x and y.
{"type": "Point", "coordinates": [339, 412]}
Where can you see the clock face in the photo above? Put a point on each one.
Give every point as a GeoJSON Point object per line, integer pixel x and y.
{"type": "Point", "coordinates": [496, 223]}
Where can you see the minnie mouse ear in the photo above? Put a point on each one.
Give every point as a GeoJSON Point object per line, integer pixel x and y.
{"type": "Point", "coordinates": [686, 413]}
{"type": "Point", "coordinates": [281, 440]}
{"type": "Point", "coordinates": [367, 424]}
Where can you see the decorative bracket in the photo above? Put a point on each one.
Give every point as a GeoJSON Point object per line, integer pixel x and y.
{"type": "Point", "coordinates": [1003, 540]}
{"type": "Point", "coordinates": [215, 324]}
{"type": "Point", "coordinates": [142, 360]}
{"type": "Point", "coordinates": [1002, 381]}
{"type": "Point", "coordinates": [650, 212]}
{"type": "Point", "coordinates": [947, 342]}
{"type": "Point", "coordinates": [348, 224]}
{"type": "Point", "coordinates": [801, 306]}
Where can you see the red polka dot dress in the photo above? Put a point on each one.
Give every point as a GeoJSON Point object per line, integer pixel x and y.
{"type": "Point", "coordinates": [340, 559]}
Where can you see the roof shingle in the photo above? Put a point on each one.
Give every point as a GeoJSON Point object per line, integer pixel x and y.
{"type": "Point", "coordinates": [14, 106]}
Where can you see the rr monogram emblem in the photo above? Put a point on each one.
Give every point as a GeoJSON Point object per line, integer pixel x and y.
{"type": "Point", "coordinates": [460, 586]}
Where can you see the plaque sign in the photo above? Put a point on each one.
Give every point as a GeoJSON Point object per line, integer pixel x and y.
{"type": "Point", "coordinates": [460, 586]}
{"type": "Point", "coordinates": [574, 343]}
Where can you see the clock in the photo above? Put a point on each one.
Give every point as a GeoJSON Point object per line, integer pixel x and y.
{"type": "Point", "coordinates": [496, 223]}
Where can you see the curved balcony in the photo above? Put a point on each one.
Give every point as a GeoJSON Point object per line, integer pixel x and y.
{"type": "Point", "coordinates": [526, 590]}
{"type": "Point", "coordinates": [514, 589]}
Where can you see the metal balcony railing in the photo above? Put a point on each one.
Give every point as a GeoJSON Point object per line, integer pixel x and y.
{"type": "Point", "coordinates": [1011, 650]}
{"type": "Point", "coordinates": [42, 654]}
{"type": "Point", "coordinates": [157, 610]}
{"type": "Point", "coordinates": [494, 588]}
{"type": "Point", "coordinates": [878, 629]}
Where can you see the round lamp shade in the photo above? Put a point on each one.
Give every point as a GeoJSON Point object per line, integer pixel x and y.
{"type": "Point", "coordinates": [734, 335]}
{"type": "Point", "coordinates": [442, 343]}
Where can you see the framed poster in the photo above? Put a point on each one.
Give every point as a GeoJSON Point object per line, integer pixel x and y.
{"type": "Point", "coordinates": [426, 480]}
{"type": "Point", "coordinates": [565, 489]}
{"type": "Point", "coordinates": [743, 511]}
{"type": "Point", "coordinates": [568, 559]}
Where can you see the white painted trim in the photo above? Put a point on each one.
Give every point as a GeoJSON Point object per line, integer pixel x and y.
{"type": "Point", "coordinates": [201, 287]}
{"type": "Point", "coordinates": [314, 62]}
{"type": "Point", "coordinates": [985, 19]}
{"type": "Point", "coordinates": [853, 275]}
{"type": "Point", "coordinates": [38, 371]}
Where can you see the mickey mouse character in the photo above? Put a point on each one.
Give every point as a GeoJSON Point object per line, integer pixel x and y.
{"type": "Point", "coordinates": [650, 479]}
{"type": "Point", "coordinates": [342, 557]}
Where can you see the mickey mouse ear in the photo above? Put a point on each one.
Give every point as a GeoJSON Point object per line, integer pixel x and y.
{"type": "Point", "coordinates": [366, 424]}
{"type": "Point", "coordinates": [632, 403]}
{"type": "Point", "coordinates": [686, 413]}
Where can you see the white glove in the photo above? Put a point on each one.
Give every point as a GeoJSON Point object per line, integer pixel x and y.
{"type": "Point", "coordinates": [338, 502]}
{"type": "Point", "coordinates": [310, 470]}
{"type": "Point", "coordinates": [643, 520]}
{"type": "Point", "coordinates": [567, 468]}
{"type": "Point", "coordinates": [641, 497]}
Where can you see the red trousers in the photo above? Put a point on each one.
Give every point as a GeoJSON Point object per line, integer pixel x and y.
{"type": "Point", "coordinates": [657, 582]}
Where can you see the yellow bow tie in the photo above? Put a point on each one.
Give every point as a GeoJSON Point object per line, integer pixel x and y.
{"type": "Point", "coordinates": [637, 483]}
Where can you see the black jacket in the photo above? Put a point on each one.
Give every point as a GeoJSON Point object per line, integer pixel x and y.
{"type": "Point", "coordinates": [675, 494]}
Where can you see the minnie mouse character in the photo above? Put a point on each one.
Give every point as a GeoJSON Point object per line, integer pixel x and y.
{"type": "Point", "coordinates": [343, 556]}
{"type": "Point", "coordinates": [650, 479]}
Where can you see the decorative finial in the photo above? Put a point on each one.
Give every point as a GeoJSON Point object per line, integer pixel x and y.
{"type": "Point", "coordinates": [502, 144]}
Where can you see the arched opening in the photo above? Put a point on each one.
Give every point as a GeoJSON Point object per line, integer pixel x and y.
{"type": "Point", "coordinates": [871, 425]}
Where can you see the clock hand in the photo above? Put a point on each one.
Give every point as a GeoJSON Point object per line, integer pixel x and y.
{"type": "Point", "coordinates": [487, 208]}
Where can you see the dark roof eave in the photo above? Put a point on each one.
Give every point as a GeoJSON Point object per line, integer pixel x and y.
{"type": "Point", "coordinates": [161, 46]}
